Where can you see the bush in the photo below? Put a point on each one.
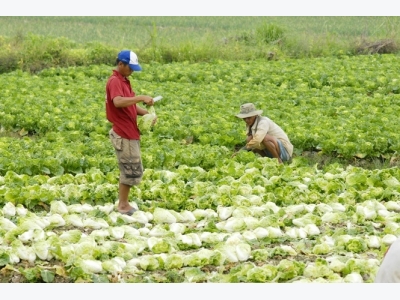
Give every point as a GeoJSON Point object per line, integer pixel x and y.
{"type": "Point", "coordinates": [98, 54]}
{"type": "Point", "coordinates": [8, 61]}
{"type": "Point", "coordinates": [269, 33]}
{"type": "Point", "coordinates": [75, 57]}
{"type": "Point", "coordinates": [34, 53]}
{"type": "Point", "coordinates": [385, 46]}
{"type": "Point", "coordinates": [39, 52]}
{"type": "Point", "coordinates": [8, 56]}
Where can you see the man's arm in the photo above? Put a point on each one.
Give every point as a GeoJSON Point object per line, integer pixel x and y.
{"type": "Point", "coordinates": [120, 101]}
{"type": "Point", "coordinates": [141, 111]}
{"type": "Point", "coordinates": [256, 140]}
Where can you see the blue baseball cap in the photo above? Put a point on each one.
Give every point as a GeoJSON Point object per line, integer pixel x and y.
{"type": "Point", "coordinates": [130, 58]}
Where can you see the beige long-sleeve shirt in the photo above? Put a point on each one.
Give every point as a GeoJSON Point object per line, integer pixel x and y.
{"type": "Point", "coordinates": [263, 126]}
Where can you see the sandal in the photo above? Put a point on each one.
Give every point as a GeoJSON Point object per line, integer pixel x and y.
{"type": "Point", "coordinates": [129, 212]}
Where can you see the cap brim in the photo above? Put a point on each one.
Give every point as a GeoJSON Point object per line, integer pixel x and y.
{"type": "Point", "coordinates": [254, 113]}
{"type": "Point", "coordinates": [135, 67]}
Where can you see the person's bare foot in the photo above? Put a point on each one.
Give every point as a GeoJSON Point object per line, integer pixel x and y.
{"type": "Point", "coordinates": [125, 208]}
{"type": "Point", "coordinates": [128, 211]}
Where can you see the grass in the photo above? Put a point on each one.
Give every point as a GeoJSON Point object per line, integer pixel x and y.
{"type": "Point", "coordinates": [140, 32]}
{"type": "Point", "coordinates": [137, 31]}
{"type": "Point", "coordinates": [34, 43]}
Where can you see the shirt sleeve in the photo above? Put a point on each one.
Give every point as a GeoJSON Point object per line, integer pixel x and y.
{"type": "Point", "coordinates": [258, 135]}
{"type": "Point", "coordinates": [115, 88]}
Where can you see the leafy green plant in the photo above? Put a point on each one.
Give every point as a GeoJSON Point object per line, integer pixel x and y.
{"type": "Point", "coordinates": [270, 33]}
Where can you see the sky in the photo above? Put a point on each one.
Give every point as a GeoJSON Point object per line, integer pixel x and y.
{"type": "Point", "coordinates": [201, 8]}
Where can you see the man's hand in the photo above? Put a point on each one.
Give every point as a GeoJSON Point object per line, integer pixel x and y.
{"type": "Point", "coordinates": [154, 121]}
{"type": "Point", "coordinates": [241, 149]}
{"type": "Point", "coordinates": [148, 100]}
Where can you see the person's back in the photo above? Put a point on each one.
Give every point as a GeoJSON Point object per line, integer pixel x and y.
{"type": "Point", "coordinates": [389, 270]}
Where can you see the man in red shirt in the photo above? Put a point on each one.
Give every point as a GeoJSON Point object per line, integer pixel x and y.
{"type": "Point", "coordinates": [122, 112]}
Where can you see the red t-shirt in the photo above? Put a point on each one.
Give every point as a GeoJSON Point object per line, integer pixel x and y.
{"type": "Point", "coordinates": [124, 119]}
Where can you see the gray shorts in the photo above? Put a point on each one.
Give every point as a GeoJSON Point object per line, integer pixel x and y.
{"type": "Point", "coordinates": [129, 159]}
{"type": "Point", "coordinates": [284, 154]}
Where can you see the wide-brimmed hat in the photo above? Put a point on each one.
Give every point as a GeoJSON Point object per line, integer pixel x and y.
{"type": "Point", "coordinates": [248, 110]}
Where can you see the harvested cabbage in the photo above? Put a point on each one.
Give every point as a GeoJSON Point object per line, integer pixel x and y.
{"type": "Point", "coordinates": [145, 123]}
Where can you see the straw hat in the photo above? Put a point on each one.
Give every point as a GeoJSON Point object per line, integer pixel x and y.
{"type": "Point", "coordinates": [248, 110]}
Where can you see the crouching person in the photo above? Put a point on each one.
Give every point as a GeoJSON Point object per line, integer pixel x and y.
{"type": "Point", "coordinates": [264, 136]}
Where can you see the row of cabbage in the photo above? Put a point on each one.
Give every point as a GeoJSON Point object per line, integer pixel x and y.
{"type": "Point", "coordinates": [355, 98]}
{"type": "Point", "coordinates": [194, 187]}
{"type": "Point", "coordinates": [203, 216]}
{"type": "Point", "coordinates": [247, 222]}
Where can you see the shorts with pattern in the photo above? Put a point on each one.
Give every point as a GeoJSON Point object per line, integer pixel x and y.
{"type": "Point", "coordinates": [129, 159]}
{"type": "Point", "coordinates": [284, 154]}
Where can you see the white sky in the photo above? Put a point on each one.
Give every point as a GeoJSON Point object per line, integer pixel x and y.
{"type": "Point", "coordinates": [200, 8]}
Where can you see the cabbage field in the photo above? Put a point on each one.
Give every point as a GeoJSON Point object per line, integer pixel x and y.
{"type": "Point", "coordinates": [204, 216]}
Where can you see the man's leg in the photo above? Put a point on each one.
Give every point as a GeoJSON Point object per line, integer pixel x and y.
{"type": "Point", "coordinates": [260, 152]}
{"type": "Point", "coordinates": [131, 171]}
{"type": "Point", "coordinates": [123, 203]}
{"type": "Point", "coordinates": [271, 144]}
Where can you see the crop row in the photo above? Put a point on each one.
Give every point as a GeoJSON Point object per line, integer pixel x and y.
{"type": "Point", "coordinates": [345, 107]}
